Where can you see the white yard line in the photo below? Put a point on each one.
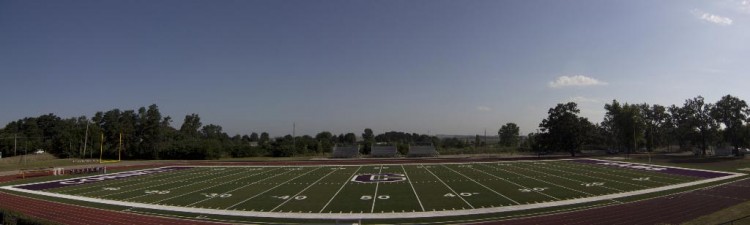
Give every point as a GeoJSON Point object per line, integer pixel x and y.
{"type": "Point", "coordinates": [303, 190]}
{"type": "Point", "coordinates": [596, 177]}
{"type": "Point", "coordinates": [341, 188]}
{"type": "Point", "coordinates": [287, 181]}
{"type": "Point", "coordinates": [246, 185]}
{"type": "Point", "coordinates": [509, 181]}
{"type": "Point", "coordinates": [212, 186]}
{"type": "Point", "coordinates": [375, 196]}
{"type": "Point", "coordinates": [607, 174]}
{"type": "Point", "coordinates": [627, 171]}
{"type": "Point", "coordinates": [104, 183]}
{"type": "Point", "coordinates": [412, 188]}
{"type": "Point", "coordinates": [158, 185]}
{"type": "Point", "coordinates": [565, 178]}
{"type": "Point", "coordinates": [543, 181]}
{"type": "Point", "coordinates": [490, 189]}
{"type": "Point", "coordinates": [449, 187]}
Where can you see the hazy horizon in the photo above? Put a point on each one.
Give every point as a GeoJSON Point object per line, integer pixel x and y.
{"type": "Point", "coordinates": [437, 67]}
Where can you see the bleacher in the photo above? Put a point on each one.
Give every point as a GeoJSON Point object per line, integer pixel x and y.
{"type": "Point", "coordinates": [384, 151]}
{"type": "Point", "coordinates": [422, 151]}
{"type": "Point", "coordinates": [345, 151]}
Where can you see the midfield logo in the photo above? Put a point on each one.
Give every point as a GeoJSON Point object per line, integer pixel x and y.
{"type": "Point", "coordinates": [374, 178]}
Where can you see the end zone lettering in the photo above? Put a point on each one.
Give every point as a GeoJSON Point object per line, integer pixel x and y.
{"type": "Point", "coordinates": [92, 179]}
{"type": "Point", "coordinates": [115, 176]}
{"type": "Point", "coordinates": [632, 166]}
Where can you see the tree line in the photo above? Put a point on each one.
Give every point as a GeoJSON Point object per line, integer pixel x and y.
{"type": "Point", "coordinates": [147, 134]}
{"type": "Point", "coordinates": [695, 124]}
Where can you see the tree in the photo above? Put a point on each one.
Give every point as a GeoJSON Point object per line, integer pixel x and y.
{"type": "Point", "coordinates": [350, 138]}
{"type": "Point", "coordinates": [655, 117]}
{"type": "Point", "coordinates": [264, 138]}
{"type": "Point", "coordinates": [699, 117]}
{"type": "Point", "coordinates": [325, 141]}
{"type": "Point", "coordinates": [730, 111]}
{"type": "Point", "coordinates": [152, 132]}
{"type": "Point", "coordinates": [508, 134]}
{"type": "Point", "coordinates": [254, 137]}
{"type": "Point", "coordinates": [368, 139]}
{"type": "Point", "coordinates": [564, 129]}
{"type": "Point", "coordinates": [626, 124]}
{"type": "Point", "coordinates": [191, 125]}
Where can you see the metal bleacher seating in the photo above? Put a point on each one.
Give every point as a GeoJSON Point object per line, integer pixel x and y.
{"type": "Point", "coordinates": [345, 151]}
{"type": "Point", "coordinates": [422, 151]}
{"type": "Point", "coordinates": [384, 151]}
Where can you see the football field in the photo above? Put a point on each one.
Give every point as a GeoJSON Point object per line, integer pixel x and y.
{"type": "Point", "coordinates": [386, 191]}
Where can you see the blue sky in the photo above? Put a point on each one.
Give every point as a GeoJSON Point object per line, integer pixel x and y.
{"type": "Point", "coordinates": [444, 67]}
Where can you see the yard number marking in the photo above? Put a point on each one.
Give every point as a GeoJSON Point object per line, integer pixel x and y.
{"type": "Point", "coordinates": [369, 197]}
{"type": "Point", "coordinates": [537, 189]}
{"type": "Point", "coordinates": [593, 184]}
{"type": "Point", "coordinates": [111, 188]}
{"type": "Point", "coordinates": [158, 192]}
{"type": "Point", "coordinates": [214, 195]}
{"type": "Point", "coordinates": [464, 194]}
{"type": "Point", "coordinates": [642, 179]}
{"type": "Point", "coordinates": [287, 197]}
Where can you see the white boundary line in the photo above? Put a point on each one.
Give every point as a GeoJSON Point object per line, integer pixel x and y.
{"type": "Point", "coordinates": [342, 187]}
{"type": "Point", "coordinates": [248, 199]}
{"type": "Point", "coordinates": [302, 191]}
{"type": "Point", "coordinates": [514, 183]}
{"type": "Point", "coordinates": [536, 179]}
{"type": "Point", "coordinates": [375, 196]}
{"type": "Point", "coordinates": [449, 187]}
{"type": "Point", "coordinates": [506, 197]}
{"type": "Point", "coordinates": [391, 215]}
{"type": "Point", "coordinates": [412, 188]}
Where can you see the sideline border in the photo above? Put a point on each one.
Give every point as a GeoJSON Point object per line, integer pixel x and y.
{"type": "Point", "coordinates": [391, 215]}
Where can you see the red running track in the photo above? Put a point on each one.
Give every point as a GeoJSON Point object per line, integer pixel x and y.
{"type": "Point", "coordinates": [70, 214]}
{"type": "Point", "coordinates": [674, 209]}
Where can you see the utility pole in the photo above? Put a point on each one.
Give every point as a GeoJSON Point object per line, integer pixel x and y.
{"type": "Point", "coordinates": [294, 136]}
{"type": "Point", "coordinates": [15, 144]}
{"type": "Point", "coordinates": [85, 140]}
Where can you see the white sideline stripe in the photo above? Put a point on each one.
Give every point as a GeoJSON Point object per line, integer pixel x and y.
{"type": "Point", "coordinates": [506, 197]}
{"type": "Point", "coordinates": [509, 181]}
{"type": "Point", "coordinates": [303, 190]}
{"type": "Point", "coordinates": [342, 187]}
{"type": "Point", "coordinates": [389, 215]}
{"type": "Point", "coordinates": [449, 187]}
{"type": "Point", "coordinates": [412, 188]}
{"type": "Point", "coordinates": [375, 196]}
{"type": "Point", "coordinates": [246, 185]}
{"type": "Point", "coordinates": [392, 215]}
{"type": "Point", "coordinates": [543, 181]}
{"type": "Point", "coordinates": [287, 181]}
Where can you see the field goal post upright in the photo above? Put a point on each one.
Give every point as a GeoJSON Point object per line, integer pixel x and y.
{"type": "Point", "coordinates": [119, 151]}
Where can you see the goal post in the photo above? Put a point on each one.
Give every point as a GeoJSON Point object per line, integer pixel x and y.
{"type": "Point", "coordinates": [101, 151]}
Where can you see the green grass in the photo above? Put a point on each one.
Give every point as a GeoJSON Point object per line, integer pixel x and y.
{"type": "Point", "coordinates": [328, 189]}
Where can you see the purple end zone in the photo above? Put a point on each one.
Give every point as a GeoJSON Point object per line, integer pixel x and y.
{"type": "Point", "coordinates": [659, 169]}
{"type": "Point", "coordinates": [98, 178]}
